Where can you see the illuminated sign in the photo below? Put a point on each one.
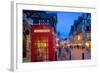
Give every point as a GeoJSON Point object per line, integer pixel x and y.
{"type": "Point", "coordinates": [42, 30]}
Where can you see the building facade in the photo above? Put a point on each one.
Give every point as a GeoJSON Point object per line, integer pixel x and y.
{"type": "Point", "coordinates": [26, 42]}
{"type": "Point", "coordinates": [42, 43]}
{"type": "Point", "coordinates": [80, 33]}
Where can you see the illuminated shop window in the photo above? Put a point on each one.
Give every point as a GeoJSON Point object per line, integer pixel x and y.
{"type": "Point", "coordinates": [41, 47]}
{"type": "Point", "coordinates": [88, 44]}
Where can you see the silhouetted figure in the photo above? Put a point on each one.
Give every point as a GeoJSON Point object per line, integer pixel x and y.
{"type": "Point", "coordinates": [82, 56]}
{"type": "Point", "coordinates": [70, 55]}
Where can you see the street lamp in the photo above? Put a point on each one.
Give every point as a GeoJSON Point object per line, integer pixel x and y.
{"type": "Point", "coordinates": [87, 44]}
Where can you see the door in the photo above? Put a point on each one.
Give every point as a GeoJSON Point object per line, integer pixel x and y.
{"type": "Point", "coordinates": [41, 49]}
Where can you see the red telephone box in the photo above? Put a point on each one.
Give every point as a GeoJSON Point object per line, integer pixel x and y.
{"type": "Point", "coordinates": [42, 43]}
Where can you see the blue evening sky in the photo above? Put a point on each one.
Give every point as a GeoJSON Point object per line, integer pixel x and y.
{"type": "Point", "coordinates": [65, 20]}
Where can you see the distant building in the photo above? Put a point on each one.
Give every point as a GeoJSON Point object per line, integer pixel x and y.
{"type": "Point", "coordinates": [80, 32]}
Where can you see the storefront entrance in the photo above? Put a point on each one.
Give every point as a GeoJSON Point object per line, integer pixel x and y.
{"type": "Point", "coordinates": [43, 43]}
{"type": "Point", "coordinates": [41, 46]}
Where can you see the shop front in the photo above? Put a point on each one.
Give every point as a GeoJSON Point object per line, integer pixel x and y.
{"type": "Point", "coordinates": [42, 43]}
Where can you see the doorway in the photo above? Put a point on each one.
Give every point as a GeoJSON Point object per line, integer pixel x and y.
{"type": "Point", "coordinates": [41, 46]}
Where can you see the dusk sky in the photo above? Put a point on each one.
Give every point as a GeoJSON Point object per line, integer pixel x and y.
{"type": "Point", "coordinates": [65, 20]}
